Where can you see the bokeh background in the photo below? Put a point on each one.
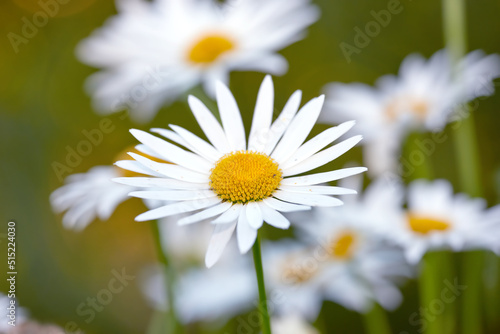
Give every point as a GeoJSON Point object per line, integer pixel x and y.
{"type": "Point", "coordinates": [44, 109]}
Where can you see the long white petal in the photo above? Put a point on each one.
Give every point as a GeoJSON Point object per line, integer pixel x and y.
{"type": "Point", "coordinates": [307, 199]}
{"type": "Point", "coordinates": [273, 217]}
{"type": "Point", "coordinates": [199, 146]}
{"type": "Point", "coordinates": [246, 235]}
{"type": "Point", "coordinates": [262, 116]}
{"type": "Point", "coordinates": [323, 157]}
{"type": "Point", "coordinates": [173, 195]}
{"type": "Point", "coordinates": [231, 117]}
{"type": "Point", "coordinates": [230, 215]}
{"type": "Point", "coordinates": [209, 124]}
{"type": "Point", "coordinates": [176, 208]}
{"type": "Point", "coordinates": [207, 213]}
{"type": "Point", "coordinates": [285, 206]}
{"type": "Point", "coordinates": [318, 178]}
{"type": "Point", "coordinates": [169, 134]}
{"type": "Point", "coordinates": [254, 216]}
{"type": "Point", "coordinates": [220, 237]}
{"type": "Point", "coordinates": [146, 182]}
{"type": "Point", "coordinates": [136, 167]}
{"type": "Point", "coordinates": [322, 190]}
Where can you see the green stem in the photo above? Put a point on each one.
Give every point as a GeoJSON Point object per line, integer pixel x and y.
{"type": "Point", "coordinates": [430, 289]}
{"type": "Point", "coordinates": [376, 321]}
{"type": "Point", "coordinates": [171, 322]}
{"type": "Point", "coordinates": [257, 259]}
{"type": "Point", "coordinates": [454, 19]}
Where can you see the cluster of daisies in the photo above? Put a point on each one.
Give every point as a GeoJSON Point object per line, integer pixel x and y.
{"type": "Point", "coordinates": [354, 243]}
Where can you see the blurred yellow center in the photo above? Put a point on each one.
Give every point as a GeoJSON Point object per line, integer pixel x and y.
{"type": "Point", "coordinates": [424, 225]}
{"type": "Point", "coordinates": [419, 108]}
{"type": "Point", "coordinates": [343, 246]}
{"type": "Point", "coordinates": [207, 49]}
{"type": "Point", "coordinates": [297, 274]}
{"type": "Point", "coordinates": [245, 176]}
{"type": "Point", "coordinates": [123, 155]}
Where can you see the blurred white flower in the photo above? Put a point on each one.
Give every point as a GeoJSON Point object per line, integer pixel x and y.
{"type": "Point", "coordinates": [154, 51]}
{"type": "Point", "coordinates": [21, 315]}
{"type": "Point", "coordinates": [292, 324]}
{"type": "Point", "coordinates": [239, 186]}
{"type": "Point", "coordinates": [437, 219]}
{"type": "Point", "coordinates": [422, 97]}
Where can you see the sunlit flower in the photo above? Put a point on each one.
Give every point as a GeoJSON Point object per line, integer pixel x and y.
{"type": "Point", "coordinates": [240, 185]}
{"type": "Point", "coordinates": [292, 324]}
{"type": "Point", "coordinates": [91, 195]}
{"type": "Point", "coordinates": [422, 97]}
{"type": "Point", "coordinates": [437, 219]}
{"type": "Point", "coordinates": [152, 52]}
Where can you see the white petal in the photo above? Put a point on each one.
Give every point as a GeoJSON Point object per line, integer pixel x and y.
{"type": "Point", "coordinates": [169, 134]}
{"type": "Point", "coordinates": [146, 182]}
{"type": "Point", "coordinates": [254, 216]}
{"type": "Point", "coordinates": [230, 215]}
{"type": "Point", "coordinates": [298, 130]}
{"type": "Point", "coordinates": [273, 217]}
{"type": "Point", "coordinates": [209, 124]}
{"type": "Point", "coordinates": [323, 190]}
{"type": "Point", "coordinates": [173, 171]}
{"type": "Point", "coordinates": [146, 150]}
{"type": "Point", "coordinates": [318, 178]}
{"type": "Point", "coordinates": [323, 157]}
{"type": "Point", "coordinates": [221, 236]}
{"type": "Point", "coordinates": [173, 195]}
{"type": "Point", "coordinates": [207, 213]}
{"type": "Point", "coordinates": [199, 146]}
{"type": "Point", "coordinates": [135, 166]}
{"type": "Point", "coordinates": [262, 115]}
{"type": "Point", "coordinates": [280, 125]}
{"type": "Point", "coordinates": [284, 206]}
{"type": "Point", "coordinates": [176, 208]}
{"type": "Point", "coordinates": [317, 143]}
{"type": "Point", "coordinates": [231, 118]}
{"type": "Point", "coordinates": [173, 153]}
{"type": "Point", "coordinates": [307, 199]}
{"type": "Point", "coordinates": [246, 235]}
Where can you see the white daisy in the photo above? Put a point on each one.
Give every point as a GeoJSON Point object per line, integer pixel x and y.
{"type": "Point", "coordinates": [437, 219]}
{"type": "Point", "coordinates": [422, 97]}
{"type": "Point", "coordinates": [292, 324]}
{"type": "Point", "coordinates": [152, 52]}
{"type": "Point", "coordinates": [91, 195]}
{"type": "Point", "coordinates": [238, 184]}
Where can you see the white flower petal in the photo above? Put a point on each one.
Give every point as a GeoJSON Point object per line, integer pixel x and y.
{"type": "Point", "coordinates": [298, 130]}
{"type": "Point", "coordinates": [230, 215]}
{"type": "Point", "coordinates": [169, 134]}
{"type": "Point", "coordinates": [199, 146]}
{"type": "Point", "coordinates": [173, 195]}
{"type": "Point", "coordinates": [307, 199]}
{"type": "Point", "coordinates": [231, 118]}
{"type": "Point", "coordinates": [176, 208]}
{"type": "Point", "coordinates": [136, 167]}
{"type": "Point", "coordinates": [246, 234]}
{"type": "Point", "coordinates": [323, 190]}
{"type": "Point", "coordinates": [209, 124]}
{"type": "Point", "coordinates": [207, 213]}
{"type": "Point", "coordinates": [145, 182]}
{"type": "Point", "coordinates": [284, 206]}
{"type": "Point", "coordinates": [262, 115]}
{"type": "Point", "coordinates": [323, 157]}
{"type": "Point", "coordinates": [273, 217]}
{"type": "Point", "coordinates": [254, 216]}
{"type": "Point", "coordinates": [318, 178]}
{"type": "Point", "coordinates": [221, 236]}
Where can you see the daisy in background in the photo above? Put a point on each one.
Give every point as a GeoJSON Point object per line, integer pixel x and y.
{"type": "Point", "coordinates": [154, 51]}
{"type": "Point", "coordinates": [200, 294]}
{"type": "Point", "coordinates": [239, 185]}
{"type": "Point", "coordinates": [292, 324]}
{"type": "Point", "coordinates": [20, 315]}
{"type": "Point", "coordinates": [422, 97]}
{"type": "Point", "coordinates": [342, 258]}
{"type": "Point", "coordinates": [436, 219]}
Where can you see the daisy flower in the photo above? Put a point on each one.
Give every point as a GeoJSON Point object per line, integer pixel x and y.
{"type": "Point", "coordinates": [437, 219]}
{"type": "Point", "coordinates": [239, 185]}
{"type": "Point", "coordinates": [153, 52]}
{"type": "Point", "coordinates": [422, 97]}
{"type": "Point", "coordinates": [91, 195]}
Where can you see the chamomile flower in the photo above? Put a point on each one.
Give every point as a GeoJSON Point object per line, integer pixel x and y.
{"type": "Point", "coordinates": [437, 219]}
{"type": "Point", "coordinates": [91, 195]}
{"type": "Point", "coordinates": [422, 97]}
{"type": "Point", "coordinates": [239, 185]}
{"type": "Point", "coordinates": [153, 52]}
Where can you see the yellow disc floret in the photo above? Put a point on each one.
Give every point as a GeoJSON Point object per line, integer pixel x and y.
{"type": "Point", "coordinates": [245, 176]}
{"type": "Point", "coordinates": [342, 247]}
{"type": "Point", "coordinates": [207, 49]}
{"type": "Point", "coordinates": [423, 224]}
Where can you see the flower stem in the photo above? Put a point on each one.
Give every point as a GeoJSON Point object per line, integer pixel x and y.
{"type": "Point", "coordinates": [171, 322]}
{"type": "Point", "coordinates": [259, 271]}
{"type": "Point", "coordinates": [454, 22]}
{"type": "Point", "coordinates": [376, 321]}
{"type": "Point", "coordinates": [429, 284]}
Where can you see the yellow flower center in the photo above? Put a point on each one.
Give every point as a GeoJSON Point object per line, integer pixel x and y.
{"type": "Point", "coordinates": [419, 108]}
{"type": "Point", "coordinates": [207, 49]}
{"type": "Point", "coordinates": [343, 246]}
{"type": "Point", "coordinates": [123, 155]}
{"type": "Point", "coordinates": [244, 176]}
{"type": "Point", "coordinates": [424, 225]}
{"type": "Point", "coordinates": [298, 275]}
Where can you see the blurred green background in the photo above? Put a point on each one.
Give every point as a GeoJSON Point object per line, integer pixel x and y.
{"type": "Point", "coordinates": [44, 109]}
